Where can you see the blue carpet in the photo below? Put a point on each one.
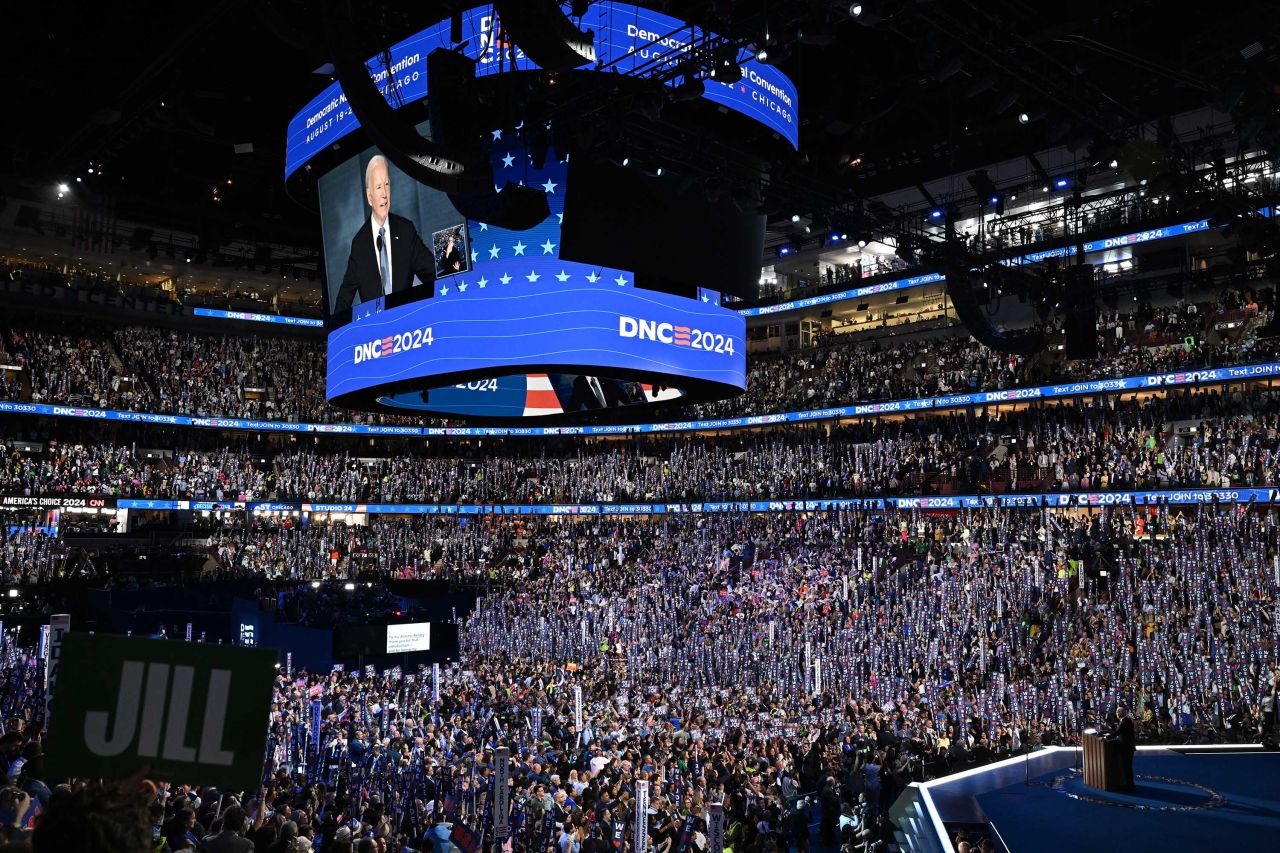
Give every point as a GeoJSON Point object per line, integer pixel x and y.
{"type": "Point", "coordinates": [1173, 811]}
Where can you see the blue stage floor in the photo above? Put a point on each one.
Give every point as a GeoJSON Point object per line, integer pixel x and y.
{"type": "Point", "coordinates": [1197, 802]}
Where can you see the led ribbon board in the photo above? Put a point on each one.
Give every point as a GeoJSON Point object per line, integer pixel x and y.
{"type": "Point", "coordinates": [383, 359]}
{"type": "Point", "coordinates": [627, 37]}
{"type": "Point", "coordinates": [1183, 378]}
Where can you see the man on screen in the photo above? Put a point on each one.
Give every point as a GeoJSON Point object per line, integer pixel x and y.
{"type": "Point", "coordinates": [386, 253]}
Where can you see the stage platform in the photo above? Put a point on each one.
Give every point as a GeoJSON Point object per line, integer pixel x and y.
{"type": "Point", "coordinates": [1186, 798]}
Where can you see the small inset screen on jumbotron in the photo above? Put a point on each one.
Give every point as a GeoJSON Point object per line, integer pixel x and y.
{"type": "Point", "coordinates": [449, 245]}
{"type": "Point", "coordinates": [408, 638]}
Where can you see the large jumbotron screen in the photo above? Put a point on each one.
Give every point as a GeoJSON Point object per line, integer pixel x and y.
{"type": "Point", "coordinates": [435, 313]}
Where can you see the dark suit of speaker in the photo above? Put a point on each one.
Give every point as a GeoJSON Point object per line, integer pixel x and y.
{"type": "Point", "coordinates": [409, 257]}
{"type": "Point", "coordinates": [1127, 734]}
{"type": "Point", "coordinates": [583, 395]}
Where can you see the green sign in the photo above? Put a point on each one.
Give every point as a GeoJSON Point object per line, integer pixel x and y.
{"type": "Point", "coordinates": [187, 713]}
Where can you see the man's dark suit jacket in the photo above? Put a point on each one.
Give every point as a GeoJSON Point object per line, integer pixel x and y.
{"type": "Point", "coordinates": [1127, 733]}
{"type": "Point", "coordinates": [408, 258]}
{"type": "Point", "coordinates": [228, 842]}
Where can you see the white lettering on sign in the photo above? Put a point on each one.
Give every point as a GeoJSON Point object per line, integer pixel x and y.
{"type": "Point", "coordinates": [166, 687]}
{"type": "Point", "coordinates": [676, 335]}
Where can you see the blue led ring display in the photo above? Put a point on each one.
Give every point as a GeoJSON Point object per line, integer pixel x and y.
{"type": "Point", "coordinates": [384, 359]}
{"type": "Point", "coordinates": [629, 40]}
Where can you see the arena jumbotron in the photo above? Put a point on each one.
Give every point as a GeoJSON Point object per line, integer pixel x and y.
{"type": "Point", "coordinates": [601, 427]}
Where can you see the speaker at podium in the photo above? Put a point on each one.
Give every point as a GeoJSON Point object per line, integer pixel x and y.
{"type": "Point", "coordinates": [1105, 763]}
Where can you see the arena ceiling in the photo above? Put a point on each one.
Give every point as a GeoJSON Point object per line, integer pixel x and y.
{"type": "Point", "coordinates": [181, 112]}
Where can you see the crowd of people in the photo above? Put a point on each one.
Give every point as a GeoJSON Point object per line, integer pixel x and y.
{"type": "Point", "coordinates": [72, 369]}
{"type": "Point", "coordinates": [842, 369]}
{"type": "Point", "coordinates": [801, 669]}
{"type": "Point", "coordinates": [1199, 438]}
{"type": "Point", "coordinates": [178, 372]}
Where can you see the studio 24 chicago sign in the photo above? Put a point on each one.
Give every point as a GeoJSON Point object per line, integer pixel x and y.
{"type": "Point", "coordinates": [186, 713]}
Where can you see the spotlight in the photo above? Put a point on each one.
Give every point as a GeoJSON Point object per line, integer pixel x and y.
{"type": "Point", "coordinates": [762, 55]}
{"type": "Point", "coordinates": [63, 188]}
{"type": "Point", "coordinates": [1114, 164]}
{"type": "Point", "coordinates": [862, 244]}
{"type": "Point", "coordinates": [626, 161]}
{"type": "Point", "coordinates": [315, 584]}
{"type": "Point", "coordinates": [1061, 183]}
{"type": "Point", "coordinates": [935, 214]}
{"type": "Point", "coordinates": [659, 172]}
{"type": "Point", "coordinates": [1023, 118]}
{"type": "Point", "coordinates": [783, 251]}
{"type": "Point", "coordinates": [349, 587]}
{"type": "Point", "coordinates": [863, 15]}
{"type": "Point", "coordinates": [835, 238]}
{"type": "Point", "coordinates": [995, 199]}
{"type": "Point", "coordinates": [13, 593]}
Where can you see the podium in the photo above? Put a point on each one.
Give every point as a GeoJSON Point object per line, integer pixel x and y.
{"type": "Point", "coordinates": [1103, 763]}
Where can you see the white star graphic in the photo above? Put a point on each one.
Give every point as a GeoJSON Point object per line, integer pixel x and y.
{"type": "Point", "coordinates": [562, 276]}
{"type": "Point", "coordinates": [519, 247]}
{"type": "Point", "coordinates": [704, 298]}
{"type": "Point", "coordinates": [475, 256]}
{"type": "Point", "coordinates": [622, 282]}
{"type": "Point", "coordinates": [462, 287]}
{"type": "Point", "coordinates": [533, 276]}
{"type": "Point", "coordinates": [508, 160]}
{"type": "Point", "coordinates": [549, 186]}
{"type": "Point", "coordinates": [444, 291]}
{"type": "Point", "coordinates": [560, 217]}
{"type": "Point", "coordinates": [482, 282]}
{"type": "Point", "coordinates": [497, 134]}
{"type": "Point", "coordinates": [548, 247]}
{"type": "Point", "coordinates": [594, 277]}
{"type": "Point", "coordinates": [493, 251]}
{"type": "Point", "coordinates": [484, 226]}
{"type": "Point", "coordinates": [506, 279]}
